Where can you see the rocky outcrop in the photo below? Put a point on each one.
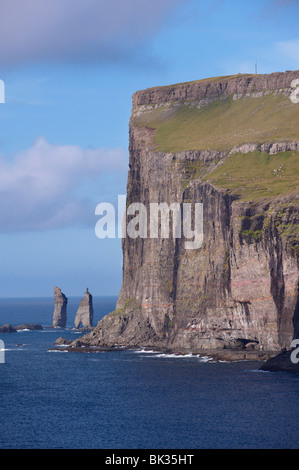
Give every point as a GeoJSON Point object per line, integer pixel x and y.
{"type": "Point", "coordinates": [286, 361]}
{"type": "Point", "coordinates": [84, 314]}
{"type": "Point", "coordinates": [239, 290]}
{"type": "Point", "coordinates": [60, 309]}
{"type": "Point", "coordinates": [7, 329]}
{"type": "Point", "coordinates": [237, 86]}
{"type": "Point", "coordinates": [62, 342]}
{"type": "Point", "coordinates": [29, 326]}
{"type": "Point", "coordinates": [281, 363]}
{"type": "Point", "coordinates": [269, 147]}
{"type": "Point", "coordinates": [25, 326]}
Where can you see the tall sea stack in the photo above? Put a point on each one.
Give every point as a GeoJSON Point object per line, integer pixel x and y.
{"type": "Point", "coordinates": [59, 315]}
{"type": "Point", "coordinates": [84, 314]}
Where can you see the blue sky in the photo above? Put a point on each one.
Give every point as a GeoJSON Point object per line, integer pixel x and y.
{"type": "Point", "coordinates": [70, 68]}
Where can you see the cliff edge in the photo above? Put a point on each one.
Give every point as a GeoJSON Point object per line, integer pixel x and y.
{"type": "Point", "coordinates": [231, 144]}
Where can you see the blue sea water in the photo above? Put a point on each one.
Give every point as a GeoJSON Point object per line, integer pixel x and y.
{"type": "Point", "coordinates": [133, 399]}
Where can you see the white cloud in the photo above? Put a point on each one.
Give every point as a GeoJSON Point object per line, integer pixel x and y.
{"type": "Point", "coordinates": [78, 29]}
{"type": "Point", "coordinates": [42, 187]}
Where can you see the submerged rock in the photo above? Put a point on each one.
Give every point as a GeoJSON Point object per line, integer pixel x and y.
{"type": "Point", "coordinates": [59, 315]}
{"type": "Point", "coordinates": [84, 314]}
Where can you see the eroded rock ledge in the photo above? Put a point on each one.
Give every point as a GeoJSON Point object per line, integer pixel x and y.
{"type": "Point", "coordinates": [207, 89]}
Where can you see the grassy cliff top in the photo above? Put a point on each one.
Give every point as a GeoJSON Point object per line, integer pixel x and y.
{"type": "Point", "coordinates": [258, 175]}
{"type": "Point", "coordinates": [223, 123]}
{"type": "Point", "coordinates": [222, 113]}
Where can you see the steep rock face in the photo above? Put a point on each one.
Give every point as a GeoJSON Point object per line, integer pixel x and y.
{"type": "Point", "coordinates": [238, 290]}
{"type": "Point", "coordinates": [208, 89]}
{"type": "Point", "coordinates": [60, 309]}
{"type": "Point", "coordinates": [84, 314]}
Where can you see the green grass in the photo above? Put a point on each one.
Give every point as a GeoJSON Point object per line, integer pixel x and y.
{"type": "Point", "coordinates": [191, 170]}
{"type": "Point", "coordinates": [252, 234]}
{"type": "Point", "coordinates": [258, 175]}
{"type": "Point", "coordinates": [222, 124]}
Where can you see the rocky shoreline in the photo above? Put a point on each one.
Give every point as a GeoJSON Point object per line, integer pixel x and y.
{"type": "Point", "coordinates": [227, 355]}
{"type": "Point", "coordinates": [273, 362]}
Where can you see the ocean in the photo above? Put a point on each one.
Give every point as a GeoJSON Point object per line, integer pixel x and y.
{"type": "Point", "coordinates": [133, 399]}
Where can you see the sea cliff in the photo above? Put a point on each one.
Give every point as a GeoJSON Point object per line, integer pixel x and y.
{"type": "Point", "coordinates": [232, 144]}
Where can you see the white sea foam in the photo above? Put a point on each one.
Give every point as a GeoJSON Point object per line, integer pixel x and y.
{"type": "Point", "coordinates": [157, 354]}
{"type": "Point", "coordinates": [12, 349]}
{"type": "Point", "coordinates": [57, 350]}
{"type": "Point", "coordinates": [172, 355]}
{"type": "Point", "coordinates": [185, 356]}
{"type": "Point", "coordinates": [144, 351]}
{"type": "Point", "coordinates": [205, 358]}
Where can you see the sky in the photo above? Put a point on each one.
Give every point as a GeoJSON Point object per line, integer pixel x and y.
{"type": "Point", "coordinates": [70, 68]}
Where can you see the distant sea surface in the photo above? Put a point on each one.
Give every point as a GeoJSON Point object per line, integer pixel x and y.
{"type": "Point", "coordinates": [133, 399]}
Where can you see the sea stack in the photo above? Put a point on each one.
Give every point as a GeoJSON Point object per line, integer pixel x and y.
{"type": "Point", "coordinates": [84, 314]}
{"type": "Point", "coordinates": [59, 315]}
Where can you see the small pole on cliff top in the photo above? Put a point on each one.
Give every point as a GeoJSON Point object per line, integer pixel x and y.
{"type": "Point", "coordinates": [256, 67]}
